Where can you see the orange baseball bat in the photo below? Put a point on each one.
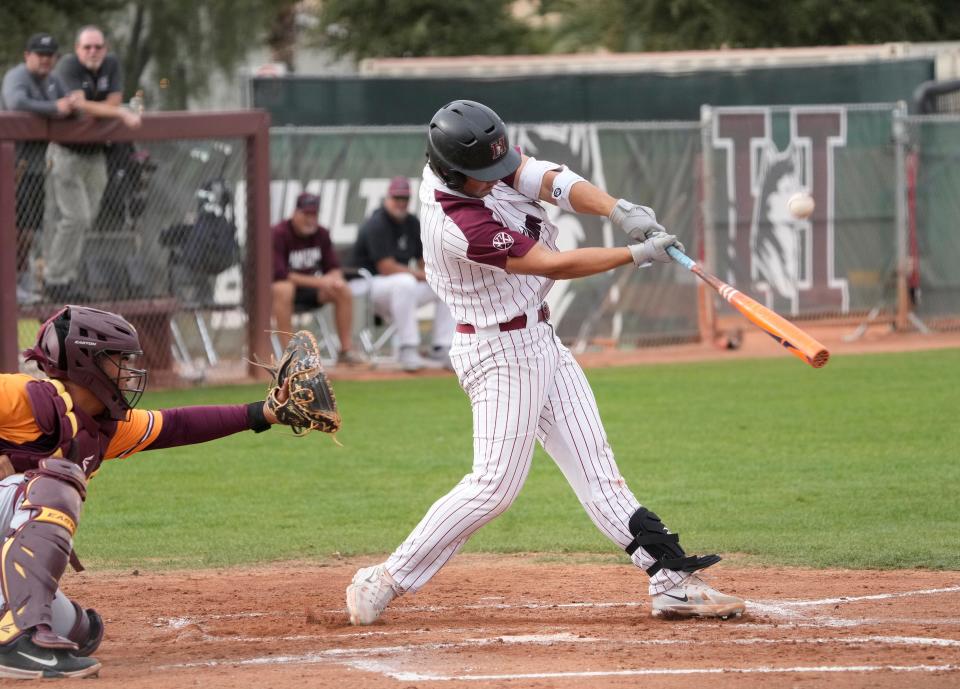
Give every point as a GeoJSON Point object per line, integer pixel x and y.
{"type": "Point", "coordinates": [792, 338]}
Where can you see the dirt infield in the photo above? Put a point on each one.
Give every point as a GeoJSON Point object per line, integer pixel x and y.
{"type": "Point", "coordinates": [523, 621]}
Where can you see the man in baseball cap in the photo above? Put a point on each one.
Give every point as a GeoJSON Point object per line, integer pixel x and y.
{"type": "Point", "coordinates": [307, 274]}
{"type": "Point", "coordinates": [31, 87]}
{"type": "Point", "coordinates": [42, 44]}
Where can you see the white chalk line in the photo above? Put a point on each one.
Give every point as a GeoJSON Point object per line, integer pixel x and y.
{"type": "Point", "coordinates": [875, 596]}
{"type": "Point", "coordinates": [418, 677]}
{"type": "Point", "coordinates": [821, 622]}
{"type": "Point", "coordinates": [773, 607]}
{"type": "Point", "coordinates": [360, 658]}
{"type": "Point", "coordinates": [320, 656]}
{"type": "Point", "coordinates": [778, 608]}
{"type": "Point", "coordinates": [348, 655]}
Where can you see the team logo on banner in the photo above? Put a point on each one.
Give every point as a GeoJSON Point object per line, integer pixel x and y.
{"type": "Point", "coordinates": [502, 241]}
{"type": "Point", "coordinates": [786, 261]}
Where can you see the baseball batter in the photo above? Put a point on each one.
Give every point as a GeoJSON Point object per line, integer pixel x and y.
{"type": "Point", "coordinates": [491, 255]}
{"type": "Point", "coordinates": [54, 435]}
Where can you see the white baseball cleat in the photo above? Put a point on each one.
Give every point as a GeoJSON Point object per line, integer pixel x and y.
{"type": "Point", "coordinates": [694, 598]}
{"type": "Point", "coordinates": [369, 594]}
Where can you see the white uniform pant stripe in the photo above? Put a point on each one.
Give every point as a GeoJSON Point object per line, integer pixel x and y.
{"type": "Point", "coordinates": [507, 394]}
{"type": "Point", "coordinates": [523, 385]}
{"type": "Point", "coordinates": [573, 443]}
{"type": "Point", "coordinates": [577, 439]}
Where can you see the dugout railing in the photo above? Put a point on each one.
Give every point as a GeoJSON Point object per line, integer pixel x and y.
{"type": "Point", "coordinates": [181, 228]}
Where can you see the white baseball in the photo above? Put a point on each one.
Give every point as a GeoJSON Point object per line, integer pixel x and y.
{"type": "Point", "coordinates": [801, 205]}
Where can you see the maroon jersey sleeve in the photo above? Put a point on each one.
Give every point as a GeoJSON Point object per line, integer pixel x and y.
{"type": "Point", "coordinates": [488, 241]}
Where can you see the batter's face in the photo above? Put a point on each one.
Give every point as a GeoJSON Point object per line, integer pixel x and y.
{"type": "Point", "coordinates": [91, 48]}
{"type": "Point", "coordinates": [476, 188]}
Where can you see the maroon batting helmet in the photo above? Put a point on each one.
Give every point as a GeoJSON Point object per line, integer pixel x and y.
{"type": "Point", "coordinates": [95, 349]}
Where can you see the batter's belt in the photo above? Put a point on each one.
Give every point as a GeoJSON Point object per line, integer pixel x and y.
{"type": "Point", "coordinates": [518, 323]}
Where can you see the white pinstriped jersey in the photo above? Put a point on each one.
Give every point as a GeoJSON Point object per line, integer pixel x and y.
{"type": "Point", "coordinates": [466, 242]}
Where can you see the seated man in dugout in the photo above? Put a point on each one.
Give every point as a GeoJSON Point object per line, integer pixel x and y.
{"type": "Point", "coordinates": [388, 245]}
{"type": "Point", "coordinates": [307, 274]}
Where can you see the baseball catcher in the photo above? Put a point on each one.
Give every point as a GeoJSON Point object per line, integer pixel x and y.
{"type": "Point", "coordinates": [54, 435]}
{"type": "Point", "coordinates": [300, 395]}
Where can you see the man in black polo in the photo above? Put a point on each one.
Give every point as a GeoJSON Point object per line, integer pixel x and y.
{"type": "Point", "coordinates": [388, 245]}
{"type": "Point", "coordinates": [31, 87]}
{"type": "Point", "coordinates": [78, 172]}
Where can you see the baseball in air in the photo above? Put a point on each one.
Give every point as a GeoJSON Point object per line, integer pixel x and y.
{"type": "Point", "coordinates": [801, 205]}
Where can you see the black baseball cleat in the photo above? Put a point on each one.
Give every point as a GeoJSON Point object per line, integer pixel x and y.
{"type": "Point", "coordinates": [23, 659]}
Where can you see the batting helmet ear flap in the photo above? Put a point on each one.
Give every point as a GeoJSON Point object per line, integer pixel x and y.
{"type": "Point", "coordinates": [451, 178]}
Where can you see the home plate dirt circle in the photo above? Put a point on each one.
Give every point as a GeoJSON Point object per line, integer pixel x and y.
{"type": "Point", "coordinates": [524, 621]}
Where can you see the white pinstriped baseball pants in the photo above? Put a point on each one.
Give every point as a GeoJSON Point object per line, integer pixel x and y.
{"type": "Point", "coordinates": [524, 385]}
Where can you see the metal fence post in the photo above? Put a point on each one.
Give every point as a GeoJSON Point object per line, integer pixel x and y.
{"type": "Point", "coordinates": [903, 268]}
{"type": "Point", "coordinates": [8, 256]}
{"type": "Point", "coordinates": [706, 314]}
{"type": "Point", "coordinates": [260, 247]}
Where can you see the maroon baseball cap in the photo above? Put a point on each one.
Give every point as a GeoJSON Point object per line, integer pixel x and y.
{"type": "Point", "coordinates": [399, 186]}
{"type": "Point", "coordinates": [308, 203]}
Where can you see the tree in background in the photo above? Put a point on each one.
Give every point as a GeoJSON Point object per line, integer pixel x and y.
{"type": "Point", "coordinates": [417, 28]}
{"type": "Point", "coordinates": [651, 25]}
{"type": "Point", "coordinates": [61, 18]}
{"type": "Point", "coordinates": [182, 44]}
{"type": "Point", "coordinates": [187, 42]}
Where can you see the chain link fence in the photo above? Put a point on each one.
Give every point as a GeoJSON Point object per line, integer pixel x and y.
{"type": "Point", "coordinates": [153, 228]}
{"type": "Point", "coordinates": [933, 160]}
{"type": "Point", "coordinates": [158, 240]}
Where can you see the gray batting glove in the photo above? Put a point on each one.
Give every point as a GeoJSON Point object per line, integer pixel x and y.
{"type": "Point", "coordinates": [639, 222]}
{"type": "Point", "coordinates": [654, 249]}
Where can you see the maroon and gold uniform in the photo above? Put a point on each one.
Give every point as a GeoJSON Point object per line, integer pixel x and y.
{"type": "Point", "coordinates": [38, 420]}
{"type": "Point", "coordinates": [54, 435]}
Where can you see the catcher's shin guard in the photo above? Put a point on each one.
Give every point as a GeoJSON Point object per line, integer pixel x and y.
{"type": "Point", "coordinates": [34, 557]}
{"type": "Point", "coordinates": [650, 533]}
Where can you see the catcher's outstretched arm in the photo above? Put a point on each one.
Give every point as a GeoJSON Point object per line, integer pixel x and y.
{"type": "Point", "coordinates": [155, 430]}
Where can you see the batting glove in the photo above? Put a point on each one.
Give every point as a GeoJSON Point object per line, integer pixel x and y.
{"type": "Point", "coordinates": [639, 222]}
{"type": "Point", "coordinates": [654, 249]}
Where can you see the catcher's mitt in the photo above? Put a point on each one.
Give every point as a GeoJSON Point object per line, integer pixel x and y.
{"type": "Point", "coordinates": [310, 404]}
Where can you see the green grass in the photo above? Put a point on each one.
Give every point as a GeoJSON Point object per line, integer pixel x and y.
{"type": "Point", "coordinates": [855, 465]}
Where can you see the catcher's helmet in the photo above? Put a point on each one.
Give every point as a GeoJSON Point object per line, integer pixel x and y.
{"type": "Point", "coordinates": [77, 342]}
{"type": "Point", "coordinates": [468, 139]}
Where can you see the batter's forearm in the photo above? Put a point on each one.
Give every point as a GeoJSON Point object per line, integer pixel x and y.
{"type": "Point", "coordinates": [579, 263]}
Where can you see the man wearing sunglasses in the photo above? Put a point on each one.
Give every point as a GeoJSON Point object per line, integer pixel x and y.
{"type": "Point", "coordinates": [78, 172]}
